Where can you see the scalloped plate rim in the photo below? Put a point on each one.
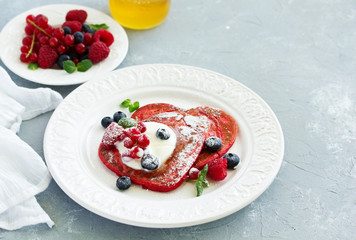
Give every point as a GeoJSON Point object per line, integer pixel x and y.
{"type": "Point", "coordinates": [156, 222]}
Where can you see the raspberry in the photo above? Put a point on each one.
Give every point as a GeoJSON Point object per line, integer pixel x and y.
{"type": "Point", "coordinates": [75, 26]}
{"type": "Point", "coordinates": [47, 57]}
{"type": "Point", "coordinates": [104, 36]}
{"type": "Point", "coordinates": [111, 134]}
{"type": "Point", "coordinates": [98, 51]}
{"type": "Point", "coordinates": [217, 169]}
{"type": "Point", "coordinates": [77, 15]}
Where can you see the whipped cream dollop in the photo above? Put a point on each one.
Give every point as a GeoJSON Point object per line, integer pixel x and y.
{"type": "Point", "coordinates": [162, 149]}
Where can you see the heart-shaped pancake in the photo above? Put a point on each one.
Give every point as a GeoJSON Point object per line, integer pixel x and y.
{"type": "Point", "coordinates": [192, 127]}
{"type": "Point", "coordinates": [222, 125]}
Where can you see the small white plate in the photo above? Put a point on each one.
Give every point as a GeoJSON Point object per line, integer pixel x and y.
{"type": "Point", "coordinates": [74, 133]}
{"type": "Point", "coordinates": [11, 41]}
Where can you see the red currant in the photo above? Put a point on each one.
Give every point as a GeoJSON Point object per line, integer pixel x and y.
{"type": "Point", "coordinates": [36, 46]}
{"type": "Point", "coordinates": [68, 40]}
{"type": "Point", "coordinates": [142, 127]}
{"type": "Point", "coordinates": [80, 48]}
{"type": "Point", "coordinates": [61, 49]}
{"type": "Point", "coordinates": [128, 143]}
{"type": "Point", "coordinates": [31, 18]}
{"type": "Point", "coordinates": [133, 131]}
{"type": "Point", "coordinates": [135, 152]}
{"type": "Point", "coordinates": [122, 136]}
{"type": "Point", "coordinates": [88, 39]}
{"type": "Point", "coordinates": [36, 31]}
{"type": "Point", "coordinates": [29, 29]}
{"type": "Point", "coordinates": [25, 49]}
{"type": "Point", "coordinates": [49, 29]}
{"type": "Point", "coordinates": [58, 33]}
{"type": "Point", "coordinates": [27, 41]}
{"type": "Point", "coordinates": [41, 21]}
{"type": "Point", "coordinates": [143, 141]}
{"type": "Point", "coordinates": [33, 57]}
{"type": "Point", "coordinates": [43, 40]}
{"type": "Point", "coordinates": [53, 42]}
{"type": "Point", "coordinates": [193, 173]}
{"type": "Point", "coordinates": [76, 61]}
{"type": "Point", "coordinates": [23, 58]}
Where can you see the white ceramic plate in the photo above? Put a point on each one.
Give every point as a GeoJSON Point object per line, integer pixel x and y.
{"type": "Point", "coordinates": [11, 41]}
{"type": "Point", "coordinates": [74, 132]}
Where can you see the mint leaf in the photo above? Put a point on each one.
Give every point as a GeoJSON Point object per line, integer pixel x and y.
{"type": "Point", "coordinates": [201, 182]}
{"type": "Point", "coordinates": [69, 66]}
{"type": "Point", "coordinates": [199, 189]}
{"type": "Point", "coordinates": [203, 172]}
{"type": "Point", "coordinates": [96, 27]}
{"type": "Point", "coordinates": [84, 65]}
{"type": "Point", "coordinates": [126, 103]}
{"type": "Point", "coordinates": [127, 122]}
{"type": "Point", "coordinates": [32, 66]}
{"type": "Point", "coordinates": [134, 106]}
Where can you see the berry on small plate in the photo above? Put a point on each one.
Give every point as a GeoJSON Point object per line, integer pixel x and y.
{"type": "Point", "coordinates": [55, 21]}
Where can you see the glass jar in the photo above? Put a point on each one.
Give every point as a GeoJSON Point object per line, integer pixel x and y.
{"type": "Point", "coordinates": [139, 14]}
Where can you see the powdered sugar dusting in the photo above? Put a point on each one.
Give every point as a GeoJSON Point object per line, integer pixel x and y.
{"type": "Point", "coordinates": [198, 123]}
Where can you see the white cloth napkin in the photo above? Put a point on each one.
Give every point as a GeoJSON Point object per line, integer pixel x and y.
{"type": "Point", "coordinates": [23, 173]}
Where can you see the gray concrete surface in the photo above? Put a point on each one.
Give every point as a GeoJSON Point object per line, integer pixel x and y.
{"type": "Point", "coordinates": [300, 57]}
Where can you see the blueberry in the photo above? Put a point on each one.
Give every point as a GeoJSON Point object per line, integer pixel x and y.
{"type": "Point", "coordinates": [213, 143]}
{"type": "Point", "coordinates": [78, 37]}
{"type": "Point", "coordinates": [149, 162]}
{"type": "Point", "coordinates": [61, 59]}
{"type": "Point", "coordinates": [67, 30]}
{"type": "Point", "coordinates": [123, 183]}
{"type": "Point", "coordinates": [86, 28]}
{"type": "Point", "coordinates": [118, 115]}
{"type": "Point", "coordinates": [232, 160]}
{"type": "Point", "coordinates": [106, 121]}
{"type": "Point", "coordinates": [162, 133]}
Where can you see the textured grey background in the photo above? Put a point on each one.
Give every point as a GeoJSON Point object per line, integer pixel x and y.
{"type": "Point", "coordinates": [299, 56]}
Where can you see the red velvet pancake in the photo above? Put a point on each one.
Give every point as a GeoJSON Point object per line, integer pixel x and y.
{"type": "Point", "coordinates": [192, 127]}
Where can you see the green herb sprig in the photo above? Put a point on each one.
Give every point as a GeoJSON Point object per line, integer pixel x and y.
{"type": "Point", "coordinates": [131, 106]}
{"type": "Point", "coordinates": [97, 27]}
{"type": "Point", "coordinates": [201, 181]}
{"type": "Point", "coordinates": [82, 66]}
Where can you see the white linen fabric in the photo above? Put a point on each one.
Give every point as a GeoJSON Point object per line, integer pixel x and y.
{"type": "Point", "coordinates": [23, 173]}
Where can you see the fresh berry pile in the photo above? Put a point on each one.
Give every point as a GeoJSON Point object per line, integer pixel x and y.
{"type": "Point", "coordinates": [133, 138]}
{"type": "Point", "coordinates": [72, 45]}
{"type": "Point", "coordinates": [130, 132]}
